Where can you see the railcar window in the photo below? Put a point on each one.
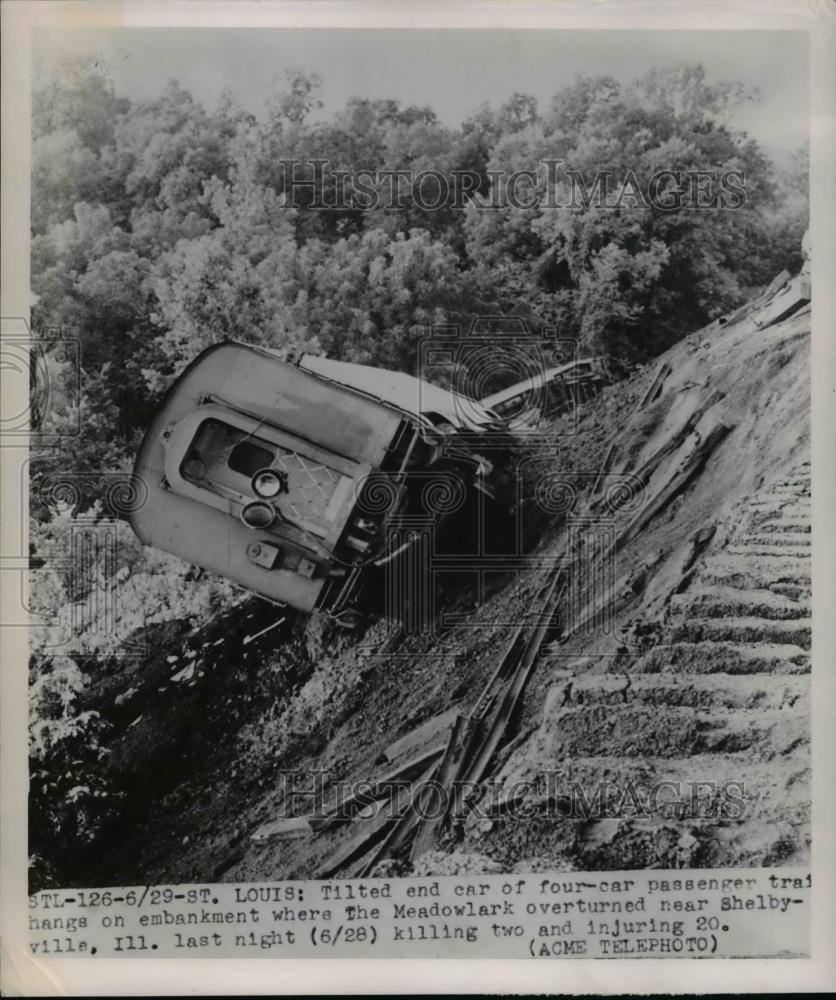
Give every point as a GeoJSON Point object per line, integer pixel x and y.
{"type": "Point", "coordinates": [217, 445]}
{"type": "Point", "coordinates": [248, 457]}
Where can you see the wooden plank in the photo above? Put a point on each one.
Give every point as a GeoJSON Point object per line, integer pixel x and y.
{"type": "Point", "coordinates": [777, 282]}
{"type": "Point", "coordinates": [793, 297]}
{"type": "Point", "coordinates": [761, 300]}
{"type": "Point", "coordinates": [475, 770]}
{"type": "Point", "coordinates": [495, 683]}
{"type": "Point", "coordinates": [664, 451]}
{"type": "Point", "coordinates": [404, 827]}
{"type": "Point", "coordinates": [369, 833]}
{"type": "Point", "coordinates": [296, 827]}
{"type": "Point", "coordinates": [385, 787]}
{"type": "Point", "coordinates": [675, 484]}
{"type": "Point", "coordinates": [443, 780]}
{"type": "Point", "coordinates": [419, 737]}
{"type": "Point", "coordinates": [655, 386]}
{"type": "Point", "coordinates": [677, 439]}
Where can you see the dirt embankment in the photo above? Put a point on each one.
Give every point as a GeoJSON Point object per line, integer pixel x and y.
{"type": "Point", "coordinates": [678, 694]}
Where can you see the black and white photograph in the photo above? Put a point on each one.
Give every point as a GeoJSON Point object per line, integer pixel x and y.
{"type": "Point", "coordinates": [419, 475]}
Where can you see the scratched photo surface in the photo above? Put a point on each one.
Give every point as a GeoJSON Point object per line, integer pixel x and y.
{"type": "Point", "coordinates": [419, 476]}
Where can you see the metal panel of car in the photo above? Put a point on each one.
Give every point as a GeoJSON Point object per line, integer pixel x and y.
{"type": "Point", "coordinates": [407, 393]}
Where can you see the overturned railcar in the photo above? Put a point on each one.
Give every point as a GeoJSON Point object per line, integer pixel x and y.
{"type": "Point", "coordinates": [282, 475]}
